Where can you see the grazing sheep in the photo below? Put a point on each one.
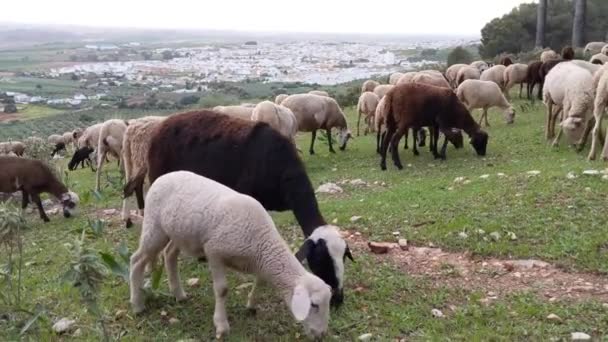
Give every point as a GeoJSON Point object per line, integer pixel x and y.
{"type": "Point", "coordinates": [420, 105]}
{"type": "Point", "coordinates": [599, 58]}
{"type": "Point", "coordinates": [568, 53]}
{"type": "Point", "coordinates": [549, 55]}
{"type": "Point", "coordinates": [480, 65]}
{"type": "Point", "coordinates": [515, 74]}
{"type": "Point", "coordinates": [452, 73]}
{"type": "Point", "coordinates": [569, 88]}
{"type": "Point", "coordinates": [407, 77]}
{"type": "Point", "coordinates": [82, 156]}
{"type": "Point", "coordinates": [196, 215]}
{"type": "Point", "coordinates": [382, 89]}
{"type": "Point", "coordinates": [467, 73]}
{"type": "Point", "coordinates": [594, 47]}
{"type": "Point", "coordinates": [253, 159]}
{"type": "Point", "coordinates": [601, 102]}
{"type": "Point", "coordinates": [55, 139]}
{"type": "Point", "coordinates": [235, 111]}
{"type": "Point", "coordinates": [319, 112]}
{"type": "Point", "coordinates": [367, 104]}
{"type": "Point", "coordinates": [60, 146]}
{"type": "Point", "coordinates": [110, 141]}
{"type": "Point", "coordinates": [68, 138]}
{"type": "Point", "coordinates": [135, 149]}
{"type": "Point", "coordinates": [319, 93]}
{"type": "Point", "coordinates": [545, 68]}
{"type": "Point", "coordinates": [432, 78]}
{"type": "Point", "coordinates": [15, 147]}
{"type": "Point", "coordinates": [33, 177]}
{"type": "Point", "coordinates": [495, 74]}
{"type": "Point", "coordinates": [369, 85]}
{"type": "Point", "coordinates": [533, 78]}
{"type": "Point", "coordinates": [394, 78]}
{"type": "Point", "coordinates": [278, 117]}
{"type": "Point", "coordinates": [484, 94]}
{"type": "Point", "coordinates": [280, 98]}
{"type": "Point", "coordinates": [90, 136]}
{"type": "Point", "coordinates": [506, 61]}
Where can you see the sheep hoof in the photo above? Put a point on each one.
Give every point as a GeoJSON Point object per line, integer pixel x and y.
{"type": "Point", "coordinates": [332, 151]}
{"type": "Point", "coordinates": [46, 219]}
{"type": "Point", "coordinates": [311, 152]}
{"type": "Point", "coordinates": [416, 153]}
{"type": "Point", "coordinates": [252, 311]}
{"type": "Point", "coordinates": [129, 223]}
{"type": "Point", "coordinates": [591, 157]}
{"type": "Point", "coordinates": [182, 297]}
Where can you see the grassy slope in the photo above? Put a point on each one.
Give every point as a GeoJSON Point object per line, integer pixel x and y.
{"type": "Point", "coordinates": [554, 219]}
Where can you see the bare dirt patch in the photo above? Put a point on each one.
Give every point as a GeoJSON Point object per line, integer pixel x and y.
{"type": "Point", "coordinates": [495, 277]}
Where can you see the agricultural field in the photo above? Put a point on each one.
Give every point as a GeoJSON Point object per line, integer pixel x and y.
{"type": "Point", "coordinates": [511, 246]}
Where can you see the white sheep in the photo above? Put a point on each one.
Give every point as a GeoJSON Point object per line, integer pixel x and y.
{"type": "Point", "coordinates": [55, 139]}
{"type": "Point", "coordinates": [484, 94]}
{"type": "Point", "coordinates": [594, 47]}
{"type": "Point", "coordinates": [592, 68]}
{"type": "Point", "coordinates": [549, 55]}
{"type": "Point", "coordinates": [236, 111]}
{"type": "Point", "coordinates": [407, 77]}
{"type": "Point", "coordinates": [601, 102]}
{"type": "Point", "coordinates": [515, 74]}
{"type": "Point", "coordinates": [599, 58]}
{"type": "Point", "coordinates": [452, 72]}
{"type": "Point", "coordinates": [382, 89]}
{"type": "Point", "coordinates": [203, 218]}
{"type": "Point", "coordinates": [109, 141]}
{"type": "Point", "coordinates": [369, 85]}
{"type": "Point", "coordinates": [467, 73]}
{"type": "Point", "coordinates": [90, 136]}
{"type": "Point", "coordinates": [315, 112]}
{"type": "Point", "coordinates": [367, 104]}
{"type": "Point", "coordinates": [480, 65]}
{"type": "Point", "coordinates": [495, 74]}
{"type": "Point", "coordinates": [280, 98]}
{"type": "Point", "coordinates": [278, 117]}
{"type": "Point", "coordinates": [319, 93]}
{"type": "Point", "coordinates": [604, 50]}
{"type": "Point", "coordinates": [135, 147]}
{"type": "Point", "coordinates": [394, 78]}
{"type": "Point", "coordinates": [431, 77]}
{"type": "Point", "coordinates": [570, 88]}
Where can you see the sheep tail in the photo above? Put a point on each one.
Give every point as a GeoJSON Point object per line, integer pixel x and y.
{"type": "Point", "coordinates": [134, 183]}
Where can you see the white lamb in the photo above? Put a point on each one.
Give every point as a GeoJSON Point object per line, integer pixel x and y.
{"type": "Point", "coordinates": [394, 78]}
{"type": "Point", "coordinates": [495, 74]}
{"type": "Point", "coordinates": [382, 89]}
{"type": "Point", "coordinates": [601, 102]}
{"type": "Point", "coordinates": [236, 111]}
{"type": "Point", "coordinates": [599, 58]}
{"type": "Point", "coordinates": [570, 88]}
{"type": "Point", "coordinates": [367, 104]}
{"type": "Point", "coordinates": [515, 74]}
{"type": "Point", "coordinates": [200, 217]}
{"type": "Point", "coordinates": [549, 55]}
{"type": "Point", "coordinates": [480, 65]}
{"type": "Point", "coordinates": [467, 73]}
{"type": "Point", "coordinates": [594, 47]}
{"type": "Point", "coordinates": [110, 139]}
{"type": "Point", "coordinates": [484, 94]}
{"type": "Point", "coordinates": [452, 73]}
{"type": "Point", "coordinates": [369, 85]}
{"type": "Point", "coordinates": [278, 117]}
{"type": "Point", "coordinates": [280, 98]}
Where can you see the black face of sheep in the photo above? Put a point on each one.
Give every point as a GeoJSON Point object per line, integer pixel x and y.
{"type": "Point", "coordinates": [344, 135]}
{"type": "Point", "coordinates": [454, 136]}
{"type": "Point", "coordinates": [479, 140]}
{"type": "Point", "coordinates": [80, 156]}
{"type": "Point", "coordinates": [69, 201]}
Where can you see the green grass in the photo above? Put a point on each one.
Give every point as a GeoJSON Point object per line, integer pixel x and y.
{"type": "Point", "coordinates": [31, 111]}
{"type": "Point", "coordinates": [555, 219]}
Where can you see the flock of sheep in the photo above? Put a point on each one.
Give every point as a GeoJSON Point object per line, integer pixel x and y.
{"type": "Point", "coordinates": [215, 173]}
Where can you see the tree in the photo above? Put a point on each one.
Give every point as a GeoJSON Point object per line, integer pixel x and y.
{"type": "Point", "coordinates": [578, 27]}
{"type": "Point", "coordinates": [459, 55]}
{"type": "Point", "coordinates": [10, 108]}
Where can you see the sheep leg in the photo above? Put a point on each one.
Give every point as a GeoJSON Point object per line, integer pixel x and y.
{"type": "Point", "coordinates": [553, 122]}
{"type": "Point", "coordinates": [597, 129]}
{"type": "Point", "coordinates": [444, 147]}
{"type": "Point", "coordinates": [36, 199]}
{"type": "Point", "coordinates": [414, 142]}
{"type": "Point", "coordinates": [151, 243]}
{"type": "Point", "coordinates": [605, 150]}
{"type": "Point", "coordinates": [485, 116]}
{"type": "Point", "coordinates": [588, 126]}
{"type": "Point", "coordinates": [25, 199]}
{"type": "Point", "coordinates": [548, 130]}
{"type": "Point", "coordinates": [331, 147]}
{"type": "Point", "coordinates": [358, 122]}
{"type": "Point", "coordinates": [171, 254]}
{"type": "Point", "coordinates": [521, 87]}
{"type": "Point", "coordinates": [312, 142]}
{"type": "Point", "coordinates": [100, 161]}
{"type": "Point", "coordinates": [435, 142]}
{"type": "Point", "coordinates": [251, 296]}
{"type": "Point", "coordinates": [385, 142]}
{"type": "Point", "coordinates": [395, 144]}
{"type": "Point", "coordinates": [220, 288]}
{"type": "Point", "coordinates": [406, 135]}
{"type": "Point", "coordinates": [379, 136]}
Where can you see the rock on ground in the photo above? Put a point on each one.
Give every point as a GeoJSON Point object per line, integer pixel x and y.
{"type": "Point", "coordinates": [63, 325]}
{"type": "Point", "coordinates": [579, 336]}
{"type": "Point", "coordinates": [329, 188]}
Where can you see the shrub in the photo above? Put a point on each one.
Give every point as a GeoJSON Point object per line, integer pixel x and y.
{"type": "Point", "coordinates": [459, 55]}
{"type": "Point", "coordinates": [189, 100]}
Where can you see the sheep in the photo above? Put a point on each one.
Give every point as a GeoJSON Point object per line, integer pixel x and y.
{"type": "Point", "coordinates": [418, 105]}
{"type": "Point", "coordinates": [495, 74]}
{"type": "Point", "coordinates": [484, 94]}
{"type": "Point", "coordinates": [480, 65]}
{"type": "Point", "coordinates": [230, 230]}
{"type": "Point", "coordinates": [135, 149]}
{"type": "Point", "coordinates": [278, 117]}
{"type": "Point", "coordinates": [15, 147]}
{"type": "Point", "coordinates": [407, 77]}
{"type": "Point", "coordinates": [506, 61]}
{"type": "Point", "coordinates": [280, 98]}
{"type": "Point", "coordinates": [369, 85]}
{"type": "Point", "coordinates": [594, 47]}
{"type": "Point", "coordinates": [432, 78]}
{"type": "Point", "coordinates": [568, 53]}
{"type": "Point", "coordinates": [569, 88]}
{"type": "Point", "coordinates": [255, 160]}
{"type": "Point", "coordinates": [394, 78]}
{"type": "Point", "coordinates": [548, 55]}
{"type": "Point", "coordinates": [33, 177]}
{"type": "Point", "coordinates": [533, 78]}
{"type": "Point", "coordinates": [90, 136]}
{"type": "Point", "coordinates": [68, 138]}
{"type": "Point", "coordinates": [604, 50]}
{"type": "Point", "coordinates": [236, 111]}
{"type": "Point", "coordinates": [82, 156]}
{"type": "Point", "coordinates": [599, 58]}
{"type": "Point", "coordinates": [319, 112]}
{"type": "Point", "coordinates": [544, 70]}
{"type": "Point", "coordinates": [368, 101]}
{"type": "Point", "coordinates": [319, 93]}
{"type": "Point", "coordinates": [592, 68]}
{"type": "Point", "coordinates": [467, 73]}
{"type": "Point", "coordinates": [54, 139]}
{"type": "Point", "coordinates": [601, 101]}
{"type": "Point", "coordinates": [382, 89]}
{"type": "Point", "coordinates": [515, 74]}
{"type": "Point", "coordinates": [110, 141]}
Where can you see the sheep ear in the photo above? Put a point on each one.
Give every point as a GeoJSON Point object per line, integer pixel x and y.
{"type": "Point", "coordinates": [300, 303]}
{"type": "Point", "coordinates": [304, 251]}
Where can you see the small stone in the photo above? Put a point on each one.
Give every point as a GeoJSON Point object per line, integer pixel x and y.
{"type": "Point", "coordinates": [466, 182]}
{"type": "Point", "coordinates": [517, 275]}
{"type": "Point", "coordinates": [403, 244]}
{"type": "Point", "coordinates": [481, 231]}
{"type": "Point", "coordinates": [357, 234]}
{"type": "Point", "coordinates": [484, 176]}
{"type": "Point", "coordinates": [365, 337]}
{"type": "Point", "coordinates": [396, 233]}
{"type": "Point", "coordinates": [335, 221]}
{"type": "Point", "coordinates": [110, 212]}
{"type": "Point", "coordinates": [605, 305]}
{"type": "Point", "coordinates": [579, 336]}
{"type": "Point", "coordinates": [63, 325]}
{"type": "Point", "coordinates": [533, 173]}
{"type": "Point", "coordinates": [334, 169]}
{"type": "Point", "coordinates": [459, 179]}
{"type": "Point", "coordinates": [53, 211]}
{"type": "Point", "coordinates": [605, 177]}
{"type": "Point", "coordinates": [436, 313]}
{"type": "Point", "coordinates": [329, 188]}
{"type": "Point", "coordinates": [355, 219]}
{"type": "Point", "coordinates": [244, 286]}
{"type": "Point", "coordinates": [358, 182]}
{"type": "Point", "coordinates": [495, 236]}
{"type": "Point", "coordinates": [193, 282]}
{"type": "Point", "coordinates": [512, 236]}
{"type": "Point", "coordinates": [379, 247]}
{"type": "Point", "coordinates": [163, 313]}
{"type": "Point", "coordinates": [571, 175]}
{"type": "Point", "coordinates": [500, 174]}
{"type": "Point", "coordinates": [120, 314]}
{"type": "Point", "coordinates": [591, 172]}
{"type": "Point", "coordinates": [173, 320]}
{"type": "Point", "coordinates": [77, 333]}
{"type": "Point", "coordinates": [463, 235]}
{"type": "Point", "coordinates": [451, 188]}
{"type": "Point", "coordinates": [382, 184]}
{"type": "Point", "coordinates": [554, 317]}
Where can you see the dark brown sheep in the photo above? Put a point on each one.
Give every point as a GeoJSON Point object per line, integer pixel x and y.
{"type": "Point", "coordinates": [533, 78]}
{"type": "Point", "coordinates": [543, 71]}
{"type": "Point", "coordinates": [33, 177]}
{"type": "Point", "coordinates": [420, 105]}
{"type": "Point", "coordinates": [568, 53]}
{"type": "Point", "coordinates": [506, 61]}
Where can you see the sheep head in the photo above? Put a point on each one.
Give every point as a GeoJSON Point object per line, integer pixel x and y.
{"type": "Point", "coordinates": [309, 304]}
{"type": "Point", "coordinates": [69, 200]}
{"type": "Point", "coordinates": [479, 140]}
{"type": "Point", "coordinates": [343, 135]}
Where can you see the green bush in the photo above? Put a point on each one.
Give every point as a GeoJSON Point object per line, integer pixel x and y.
{"type": "Point", "coordinates": [459, 55]}
{"type": "Point", "coordinates": [189, 100]}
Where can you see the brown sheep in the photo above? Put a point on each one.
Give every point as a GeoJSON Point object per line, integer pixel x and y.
{"type": "Point", "coordinates": [515, 74]}
{"type": "Point", "coordinates": [368, 85]}
{"type": "Point", "coordinates": [568, 53]}
{"type": "Point", "coordinates": [420, 105]}
{"type": "Point", "coordinates": [367, 104]}
{"type": "Point", "coordinates": [533, 78]}
{"type": "Point", "coordinates": [506, 61]}
{"type": "Point", "coordinates": [382, 89]}
{"type": "Point", "coordinates": [468, 73]}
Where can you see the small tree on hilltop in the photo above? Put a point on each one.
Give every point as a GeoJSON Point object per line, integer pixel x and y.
{"type": "Point", "coordinates": [459, 55]}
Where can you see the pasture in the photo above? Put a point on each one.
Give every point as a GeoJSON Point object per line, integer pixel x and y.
{"type": "Point", "coordinates": [499, 213]}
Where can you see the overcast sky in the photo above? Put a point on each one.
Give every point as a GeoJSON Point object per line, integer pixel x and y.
{"type": "Point", "coordinates": [335, 16]}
